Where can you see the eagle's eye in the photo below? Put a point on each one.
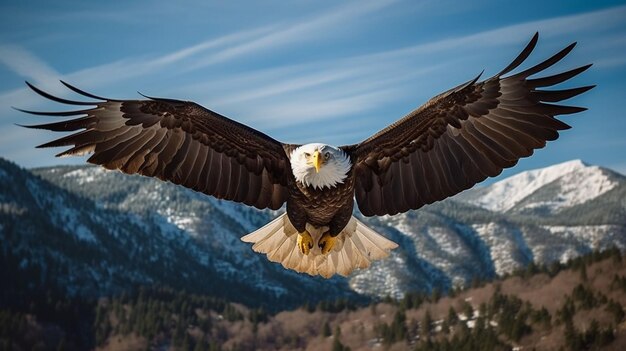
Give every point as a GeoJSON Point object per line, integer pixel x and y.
{"type": "Point", "coordinates": [307, 155]}
{"type": "Point", "coordinates": [327, 155]}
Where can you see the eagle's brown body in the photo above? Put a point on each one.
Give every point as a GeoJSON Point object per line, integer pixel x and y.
{"type": "Point", "coordinates": [331, 207]}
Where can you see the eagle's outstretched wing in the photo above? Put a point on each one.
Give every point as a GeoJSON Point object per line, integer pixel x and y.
{"type": "Point", "coordinates": [177, 141]}
{"type": "Point", "coordinates": [461, 137]}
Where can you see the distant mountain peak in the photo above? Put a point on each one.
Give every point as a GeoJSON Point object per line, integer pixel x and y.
{"type": "Point", "coordinates": [576, 163]}
{"type": "Point", "coordinates": [505, 194]}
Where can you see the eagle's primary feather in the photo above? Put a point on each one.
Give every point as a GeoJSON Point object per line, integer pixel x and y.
{"type": "Point", "coordinates": [453, 141]}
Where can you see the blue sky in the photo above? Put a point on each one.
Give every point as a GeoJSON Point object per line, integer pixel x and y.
{"type": "Point", "coordinates": [305, 71]}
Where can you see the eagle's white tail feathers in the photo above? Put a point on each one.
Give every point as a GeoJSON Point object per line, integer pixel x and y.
{"type": "Point", "coordinates": [356, 247]}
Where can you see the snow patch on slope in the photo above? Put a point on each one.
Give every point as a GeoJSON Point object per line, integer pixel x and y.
{"type": "Point", "coordinates": [381, 278]}
{"type": "Point", "coordinates": [584, 185]}
{"type": "Point", "coordinates": [506, 245]}
{"type": "Point", "coordinates": [85, 175]}
{"type": "Point", "coordinates": [83, 233]}
{"type": "Point", "coordinates": [506, 193]}
{"type": "Point", "coordinates": [62, 215]}
{"type": "Point", "coordinates": [184, 221]}
{"type": "Point", "coordinates": [576, 188]}
{"type": "Point", "coordinates": [551, 243]}
{"type": "Point", "coordinates": [594, 236]}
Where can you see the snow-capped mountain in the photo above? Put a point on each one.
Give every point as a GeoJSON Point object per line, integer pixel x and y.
{"type": "Point", "coordinates": [552, 188]}
{"type": "Point", "coordinates": [102, 231]}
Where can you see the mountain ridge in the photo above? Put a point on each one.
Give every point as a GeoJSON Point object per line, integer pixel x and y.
{"type": "Point", "coordinates": [506, 194]}
{"type": "Point", "coordinates": [446, 244]}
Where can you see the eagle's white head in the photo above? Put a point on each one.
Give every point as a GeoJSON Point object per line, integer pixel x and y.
{"type": "Point", "coordinates": [320, 165]}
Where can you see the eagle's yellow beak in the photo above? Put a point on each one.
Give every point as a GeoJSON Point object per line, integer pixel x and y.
{"type": "Point", "coordinates": [317, 160]}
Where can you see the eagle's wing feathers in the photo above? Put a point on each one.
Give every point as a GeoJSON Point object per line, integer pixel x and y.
{"type": "Point", "coordinates": [177, 141]}
{"type": "Point", "coordinates": [461, 137]}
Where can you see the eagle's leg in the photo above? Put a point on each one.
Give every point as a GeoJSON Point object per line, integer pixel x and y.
{"type": "Point", "coordinates": [297, 217]}
{"type": "Point", "coordinates": [341, 219]}
{"type": "Point", "coordinates": [305, 242]}
{"type": "Point", "coordinates": [336, 225]}
{"type": "Point", "coordinates": [327, 242]}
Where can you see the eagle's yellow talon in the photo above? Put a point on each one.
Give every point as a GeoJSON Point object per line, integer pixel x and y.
{"type": "Point", "coordinates": [327, 242]}
{"type": "Point", "coordinates": [305, 242]}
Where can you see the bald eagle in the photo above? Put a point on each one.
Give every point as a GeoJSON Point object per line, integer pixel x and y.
{"type": "Point", "coordinates": [453, 141]}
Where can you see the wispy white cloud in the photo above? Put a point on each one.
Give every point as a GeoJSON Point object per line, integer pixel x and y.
{"type": "Point", "coordinates": [297, 77]}
{"type": "Point", "coordinates": [548, 28]}
{"type": "Point", "coordinates": [137, 66]}
{"type": "Point", "coordinates": [31, 68]}
{"type": "Point", "coordinates": [344, 76]}
{"type": "Point", "coordinates": [220, 49]}
{"type": "Point", "coordinates": [315, 91]}
{"type": "Point", "coordinates": [298, 32]}
{"type": "Point", "coordinates": [611, 62]}
{"type": "Point", "coordinates": [314, 108]}
{"type": "Point", "coordinates": [226, 40]}
{"type": "Point", "coordinates": [283, 96]}
{"type": "Point", "coordinates": [288, 86]}
{"type": "Point", "coordinates": [25, 64]}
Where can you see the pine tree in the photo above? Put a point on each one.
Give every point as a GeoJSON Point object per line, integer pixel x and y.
{"type": "Point", "coordinates": [398, 327]}
{"type": "Point", "coordinates": [542, 317]}
{"type": "Point", "coordinates": [435, 295]}
{"type": "Point", "coordinates": [445, 327]}
{"type": "Point", "coordinates": [326, 330]}
{"type": "Point", "coordinates": [583, 273]}
{"type": "Point", "coordinates": [373, 309]}
{"type": "Point", "coordinates": [616, 255]}
{"type": "Point", "coordinates": [452, 318]}
{"type": "Point", "coordinates": [337, 345]}
{"type": "Point", "coordinates": [186, 343]}
{"type": "Point", "coordinates": [427, 322]}
{"type": "Point", "coordinates": [467, 310]}
{"type": "Point", "coordinates": [572, 338]}
{"type": "Point", "coordinates": [412, 329]}
{"type": "Point", "coordinates": [200, 346]}
{"type": "Point", "coordinates": [567, 311]}
{"type": "Point", "coordinates": [615, 308]}
{"type": "Point", "coordinates": [531, 269]}
{"type": "Point", "coordinates": [213, 346]}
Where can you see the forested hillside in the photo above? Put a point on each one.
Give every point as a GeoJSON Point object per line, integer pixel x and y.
{"type": "Point", "coordinates": [576, 306]}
